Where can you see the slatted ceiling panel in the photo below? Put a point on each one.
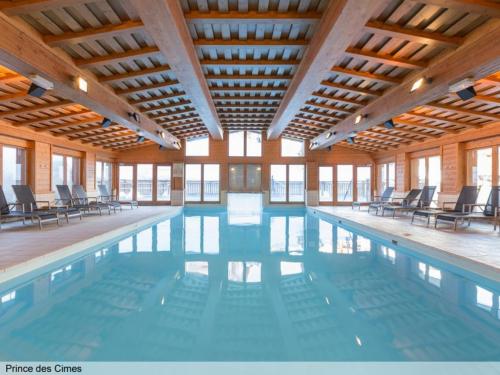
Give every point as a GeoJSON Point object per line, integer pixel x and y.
{"type": "Point", "coordinates": [109, 41]}
{"type": "Point", "coordinates": [401, 39]}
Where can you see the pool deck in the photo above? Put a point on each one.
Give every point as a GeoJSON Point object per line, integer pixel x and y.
{"type": "Point", "coordinates": [476, 247]}
{"type": "Point", "coordinates": [23, 247]}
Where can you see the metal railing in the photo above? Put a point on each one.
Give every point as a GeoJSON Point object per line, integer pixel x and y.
{"type": "Point", "coordinates": [345, 190]}
{"type": "Point", "coordinates": [295, 190]}
{"type": "Point", "coordinates": [210, 190]}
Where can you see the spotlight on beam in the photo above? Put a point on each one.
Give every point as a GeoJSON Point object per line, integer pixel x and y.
{"type": "Point", "coordinates": [135, 116]}
{"type": "Point", "coordinates": [389, 124]}
{"type": "Point", "coordinates": [419, 83]}
{"type": "Point", "coordinates": [351, 140]}
{"type": "Point", "coordinates": [39, 85]}
{"type": "Point", "coordinates": [463, 88]}
{"type": "Point", "coordinates": [140, 139]}
{"type": "Point", "coordinates": [106, 123]}
{"type": "Point", "coordinates": [467, 93]}
{"type": "Point", "coordinates": [358, 119]}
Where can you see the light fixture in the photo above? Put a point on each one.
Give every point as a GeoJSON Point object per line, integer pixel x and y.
{"type": "Point", "coordinates": [140, 139]}
{"type": "Point", "coordinates": [467, 93]}
{"type": "Point", "coordinates": [328, 135]}
{"type": "Point", "coordinates": [106, 122]}
{"type": "Point", "coordinates": [36, 90]}
{"type": "Point", "coordinates": [358, 119]}
{"type": "Point", "coordinates": [419, 83]}
{"type": "Point", "coordinates": [39, 85]}
{"type": "Point", "coordinates": [389, 124]}
{"type": "Point", "coordinates": [161, 134]}
{"type": "Point", "coordinates": [82, 84]}
{"type": "Point", "coordinates": [351, 140]}
{"type": "Point", "coordinates": [134, 116]}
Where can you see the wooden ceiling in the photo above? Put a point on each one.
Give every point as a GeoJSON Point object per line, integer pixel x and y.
{"type": "Point", "coordinates": [256, 59]}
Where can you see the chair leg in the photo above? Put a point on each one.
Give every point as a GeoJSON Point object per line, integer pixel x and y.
{"type": "Point", "coordinates": [40, 222]}
{"type": "Point", "coordinates": [67, 218]}
{"type": "Point", "coordinates": [455, 225]}
{"type": "Point", "coordinates": [393, 214]}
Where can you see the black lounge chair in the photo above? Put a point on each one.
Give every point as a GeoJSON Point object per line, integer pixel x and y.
{"type": "Point", "coordinates": [27, 207]}
{"type": "Point", "coordinates": [404, 203]}
{"type": "Point", "coordinates": [467, 196]}
{"type": "Point", "coordinates": [490, 212]}
{"type": "Point", "coordinates": [67, 199]}
{"type": "Point", "coordinates": [80, 196]}
{"type": "Point", "coordinates": [424, 202]}
{"type": "Point", "coordinates": [381, 200]}
{"type": "Point", "coordinates": [7, 212]}
{"type": "Point", "coordinates": [109, 198]}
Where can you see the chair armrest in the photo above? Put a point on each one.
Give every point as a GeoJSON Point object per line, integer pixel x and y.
{"type": "Point", "coordinates": [46, 202]}
{"type": "Point", "coordinates": [469, 207]}
{"type": "Point", "coordinates": [447, 203]}
{"type": "Point", "coordinates": [92, 198]}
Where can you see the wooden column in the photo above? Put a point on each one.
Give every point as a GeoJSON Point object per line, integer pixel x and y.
{"type": "Point", "coordinates": [40, 170]}
{"type": "Point", "coordinates": [89, 172]}
{"type": "Point", "coordinates": [403, 168]}
{"type": "Point", "coordinates": [177, 194]}
{"type": "Point", "coordinates": [453, 168]}
{"type": "Point", "coordinates": [312, 184]}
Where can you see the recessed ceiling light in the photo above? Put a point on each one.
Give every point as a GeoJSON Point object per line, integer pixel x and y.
{"type": "Point", "coordinates": [328, 135]}
{"type": "Point", "coordinates": [106, 122]}
{"type": "Point", "coordinates": [82, 84]}
{"type": "Point", "coordinates": [389, 124]}
{"type": "Point", "coordinates": [140, 139]}
{"type": "Point", "coordinates": [419, 83]}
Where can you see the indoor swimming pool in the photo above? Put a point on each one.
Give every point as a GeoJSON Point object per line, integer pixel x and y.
{"type": "Point", "coordinates": [282, 284]}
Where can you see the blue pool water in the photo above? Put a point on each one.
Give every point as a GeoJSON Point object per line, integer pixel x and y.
{"type": "Point", "coordinates": [278, 286]}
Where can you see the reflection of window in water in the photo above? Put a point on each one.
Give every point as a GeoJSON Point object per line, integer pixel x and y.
{"type": "Point", "coordinates": [325, 237]}
{"type": "Point", "coordinates": [192, 228]}
{"type": "Point", "coordinates": [163, 236]}
{"type": "Point", "coordinates": [200, 268]}
{"type": "Point", "coordinates": [291, 268]}
{"type": "Point", "coordinates": [388, 254]}
{"type": "Point", "coordinates": [210, 234]}
{"type": "Point", "coordinates": [8, 297]}
{"type": "Point", "coordinates": [280, 241]}
{"type": "Point", "coordinates": [429, 273]}
{"type": "Point", "coordinates": [296, 234]}
{"type": "Point", "coordinates": [201, 234]}
{"type": "Point", "coordinates": [126, 245]}
{"type": "Point", "coordinates": [344, 241]}
{"type": "Point", "coordinates": [278, 234]}
{"type": "Point", "coordinates": [249, 272]}
{"type": "Point", "coordinates": [98, 255]}
{"type": "Point", "coordinates": [145, 240]}
{"type": "Point", "coordinates": [484, 298]}
{"type": "Point", "coordinates": [363, 244]}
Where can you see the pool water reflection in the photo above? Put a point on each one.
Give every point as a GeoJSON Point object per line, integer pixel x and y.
{"type": "Point", "coordinates": [292, 287]}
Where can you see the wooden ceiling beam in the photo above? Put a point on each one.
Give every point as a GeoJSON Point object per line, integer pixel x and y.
{"type": "Point", "coordinates": [246, 98]}
{"type": "Point", "coordinates": [107, 31]}
{"type": "Point", "coordinates": [308, 125]}
{"type": "Point", "coordinates": [413, 34]}
{"type": "Point", "coordinates": [51, 118]}
{"type": "Point", "coordinates": [252, 17]}
{"type": "Point", "coordinates": [117, 57]}
{"type": "Point", "coordinates": [464, 111]}
{"type": "Point", "coordinates": [70, 124]}
{"type": "Point", "coordinates": [165, 106]}
{"type": "Point", "coordinates": [13, 97]}
{"type": "Point", "coordinates": [338, 99]}
{"type": "Point", "coordinates": [410, 132]}
{"type": "Point", "coordinates": [385, 59]}
{"type": "Point", "coordinates": [248, 77]}
{"type": "Point", "coordinates": [246, 105]}
{"type": "Point", "coordinates": [193, 121]}
{"type": "Point", "coordinates": [166, 25]}
{"type": "Point", "coordinates": [265, 43]}
{"type": "Point", "coordinates": [481, 7]}
{"type": "Point", "coordinates": [157, 98]}
{"type": "Point", "coordinates": [36, 108]}
{"type": "Point", "coordinates": [367, 76]}
{"type": "Point", "coordinates": [329, 107]}
{"type": "Point", "coordinates": [401, 121]}
{"type": "Point", "coordinates": [426, 116]}
{"type": "Point", "coordinates": [390, 135]}
{"type": "Point", "coordinates": [353, 89]}
{"type": "Point", "coordinates": [93, 135]}
{"type": "Point", "coordinates": [113, 140]}
{"type": "Point", "coordinates": [325, 122]}
{"type": "Point", "coordinates": [36, 57]}
{"type": "Point", "coordinates": [14, 8]}
{"type": "Point", "coordinates": [145, 88]}
{"type": "Point", "coordinates": [482, 43]}
{"type": "Point", "coordinates": [135, 74]}
{"type": "Point", "coordinates": [188, 117]}
{"type": "Point", "coordinates": [246, 89]}
{"type": "Point", "coordinates": [249, 62]}
{"type": "Point", "coordinates": [325, 115]}
{"type": "Point", "coordinates": [176, 113]}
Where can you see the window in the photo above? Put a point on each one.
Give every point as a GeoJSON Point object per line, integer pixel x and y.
{"type": "Point", "coordinates": [292, 147]}
{"type": "Point", "coordinates": [13, 170]}
{"type": "Point", "coordinates": [325, 237]}
{"type": "Point", "coordinates": [388, 253]}
{"type": "Point", "coordinates": [344, 183]}
{"type": "Point", "coordinates": [65, 171]}
{"type": "Point", "coordinates": [480, 171]}
{"type": "Point", "coordinates": [287, 183]}
{"type": "Point", "coordinates": [326, 184]}
{"type": "Point", "coordinates": [104, 175]}
{"type": "Point", "coordinates": [364, 186]}
{"type": "Point", "coordinates": [197, 147]}
{"type": "Point", "coordinates": [126, 182]}
{"type": "Point", "coordinates": [211, 182]}
{"type": "Point", "coordinates": [193, 182]}
{"type": "Point", "coordinates": [344, 241]}
{"type": "Point", "coordinates": [202, 181]}
{"type": "Point", "coordinates": [144, 183]}
{"type": "Point", "coordinates": [163, 236]}
{"type": "Point", "coordinates": [426, 172]}
{"type": "Point", "coordinates": [163, 178]}
{"type": "Point", "coordinates": [244, 272]}
{"type": "Point", "coordinates": [386, 176]}
{"type": "Point", "coordinates": [484, 298]}
{"type": "Point", "coordinates": [245, 143]}
{"type": "Point", "coordinates": [430, 274]}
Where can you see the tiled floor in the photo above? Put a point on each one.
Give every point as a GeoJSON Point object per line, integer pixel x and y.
{"type": "Point", "coordinates": [478, 243]}
{"type": "Point", "coordinates": [19, 243]}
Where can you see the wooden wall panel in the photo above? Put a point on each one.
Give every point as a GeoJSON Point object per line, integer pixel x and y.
{"type": "Point", "coordinates": [89, 177]}
{"type": "Point", "coordinates": [453, 164]}
{"type": "Point", "coordinates": [403, 177]}
{"type": "Point", "coordinates": [40, 168]}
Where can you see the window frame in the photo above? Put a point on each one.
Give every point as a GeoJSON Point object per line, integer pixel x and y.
{"type": "Point", "coordinates": [287, 183]}
{"type": "Point", "coordinates": [196, 139]}
{"type": "Point", "coordinates": [202, 182]}
{"type": "Point", "coordinates": [303, 154]}
{"type": "Point", "coordinates": [245, 144]}
{"type": "Point", "coordinates": [334, 181]}
{"type": "Point", "coordinates": [65, 170]}
{"type": "Point", "coordinates": [154, 200]}
{"type": "Point", "coordinates": [24, 169]}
